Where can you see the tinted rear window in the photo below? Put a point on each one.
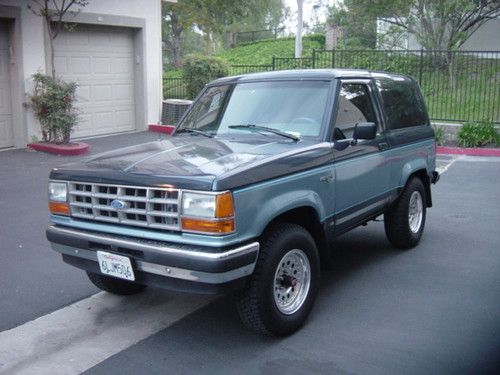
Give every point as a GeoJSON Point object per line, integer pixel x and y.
{"type": "Point", "coordinates": [403, 104]}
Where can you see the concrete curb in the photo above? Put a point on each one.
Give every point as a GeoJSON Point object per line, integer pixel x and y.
{"type": "Point", "coordinates": [72, 149]}
{"type": "Point", "coordinates": [468, 151]}
{"type": "Point", "coordinates": [165, 129]}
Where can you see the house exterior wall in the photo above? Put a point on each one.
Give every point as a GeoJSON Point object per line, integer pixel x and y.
{"type": "Point", "coordinates": [144, 16]}
{"type": "Point", "coordinates": [486, 38]}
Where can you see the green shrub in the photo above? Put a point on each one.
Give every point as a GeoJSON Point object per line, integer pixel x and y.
{"type": "Point", "coordinates": [52, 102]}
{"type": "Point", "coordinates": [439, 135]}
{"type": "Point", "coordinates": [319, 38]}
{"type": "Point", "coordinates": [479, 134]}
{"type": "Point", "coordinates": [199, 70]}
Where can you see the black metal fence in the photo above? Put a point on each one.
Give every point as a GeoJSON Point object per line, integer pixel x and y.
{"type": "Point", "coordinates": [457, 85]}
{"type": "Point", "coordinates": [175, 88]}
{"type": "Point", "coordinates": [245, 69]}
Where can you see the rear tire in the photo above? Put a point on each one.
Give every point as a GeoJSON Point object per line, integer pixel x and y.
{"type": "Point", "coordinates": [404, 222]}
{"type": "Point", "coordinates": [284, 284]}
{"type": "Point", "coordinates": [115, 285]}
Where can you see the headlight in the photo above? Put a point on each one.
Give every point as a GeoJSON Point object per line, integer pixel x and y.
{"type": "Point", "coordinates": [58, 191]}
{"type": "Point", "coordinates": [198, 205]}
{"type": "Point", "coordinates": [58, 194]}
{"type": "Point", "coordinates": [208, 213]}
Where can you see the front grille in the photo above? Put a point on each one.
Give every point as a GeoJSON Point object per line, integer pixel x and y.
{"type": "Point", "coordinates": [156, 208]}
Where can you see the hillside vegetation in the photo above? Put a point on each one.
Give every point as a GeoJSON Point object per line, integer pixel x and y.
{"type": "Point", "coordinates": [262, 52]}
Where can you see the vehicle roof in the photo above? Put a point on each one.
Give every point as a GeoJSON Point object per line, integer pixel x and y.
{"type": "Point", "coordinates": [309, 74]}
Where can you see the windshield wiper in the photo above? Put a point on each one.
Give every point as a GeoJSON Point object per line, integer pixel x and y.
{"type": "Point", "coordinates": [195, 131]}
{"type": "Point", "coordinates": [265, 128]}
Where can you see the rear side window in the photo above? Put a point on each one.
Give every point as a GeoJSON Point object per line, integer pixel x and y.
{"type": "Point", "coordinates": [403, 104]}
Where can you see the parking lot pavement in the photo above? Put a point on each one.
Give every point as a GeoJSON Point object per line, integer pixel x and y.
{"type": "Point", "coordinates": [33, 279]}
{"type": "Point", "coordinates": [433, 309]}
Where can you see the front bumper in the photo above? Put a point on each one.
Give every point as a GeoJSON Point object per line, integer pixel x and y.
{"type": "Point", "coordinates": [167, 265]}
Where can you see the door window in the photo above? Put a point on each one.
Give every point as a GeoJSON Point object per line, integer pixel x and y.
{"type": "Point", "coordinates": [354, 106]}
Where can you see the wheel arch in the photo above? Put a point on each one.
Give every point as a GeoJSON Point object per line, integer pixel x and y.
{"type": "Point", "coordinates": [308, 218]}
{"type": "Point", "coordinates": [424, 177]}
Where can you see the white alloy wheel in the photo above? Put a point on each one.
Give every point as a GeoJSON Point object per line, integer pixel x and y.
{"type": "Point", "coordinates": [415, 211]}
{"type": "Point", "coordinates": [291, 281]}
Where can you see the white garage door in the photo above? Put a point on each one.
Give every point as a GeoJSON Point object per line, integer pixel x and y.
{"type": "Point", "coordinates": [101, 60]}
{"type": "Point", "coordinates": [6, 138]}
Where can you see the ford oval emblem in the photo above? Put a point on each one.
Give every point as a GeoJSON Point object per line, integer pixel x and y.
{"type": "Point", "coordinates": [118, 204]}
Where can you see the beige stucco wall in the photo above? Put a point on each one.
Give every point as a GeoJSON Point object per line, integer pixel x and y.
{"type": "Point", "coordinates": [34, 49]}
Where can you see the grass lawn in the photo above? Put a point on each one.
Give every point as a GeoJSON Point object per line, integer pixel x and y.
{"type": "Point", "coordinates": [473, 96]}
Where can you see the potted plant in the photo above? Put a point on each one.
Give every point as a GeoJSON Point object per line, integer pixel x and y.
{"type": "Point", "coordinates": [52, 102]}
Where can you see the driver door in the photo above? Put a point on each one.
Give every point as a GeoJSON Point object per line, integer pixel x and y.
{"type": "Point", "coordinates": [362, 168]}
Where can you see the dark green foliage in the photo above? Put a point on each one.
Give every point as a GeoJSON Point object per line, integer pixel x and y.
{"type": "Point", "coordinates": [439, 135]}
{"type": "Point", "coordinates": [262, 52]}
{"type": "Point", "coordinates": [478, 134]}
{"type": "Point", "coordinates": [358, 25]}
{"type": "Point", "coordinates": [52, 102]}
{"type": "Point", "coordinates": [199, 70]}
{"type": "Point", "coordinates": [319, 38]}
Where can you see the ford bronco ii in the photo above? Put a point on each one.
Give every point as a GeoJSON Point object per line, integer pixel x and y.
{"type": "Point", "coordinates": [261, 174]}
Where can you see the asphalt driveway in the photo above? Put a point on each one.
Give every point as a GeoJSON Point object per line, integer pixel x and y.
{"type": "Point", "coordinates": [433, 309]}
{"type": "Point", "coordinates": [32, 280]}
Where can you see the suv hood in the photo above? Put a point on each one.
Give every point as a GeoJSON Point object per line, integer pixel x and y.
{"type": "Point", "coordinates": [194, 162]}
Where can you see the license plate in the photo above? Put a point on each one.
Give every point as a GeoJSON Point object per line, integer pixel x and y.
{"type": "Point", "coordinates": [115, 265]}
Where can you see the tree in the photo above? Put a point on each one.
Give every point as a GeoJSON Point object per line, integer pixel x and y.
{"type": "Point", "coordinates": [359, 28]}
{"type": "Point", "coordinates": [53, 13]}
{"type": "Point", "coordinates": [265, 15]}
{"type": "Point", "coordinates": [212, 18]}
{"type": "Point", "coordinates": [176, 18]}
{"type": "Point", "coordinates": [436, 24]}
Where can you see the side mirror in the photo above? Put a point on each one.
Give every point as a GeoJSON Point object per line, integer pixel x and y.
{"type": "Point", "coordinates": [364, 130]}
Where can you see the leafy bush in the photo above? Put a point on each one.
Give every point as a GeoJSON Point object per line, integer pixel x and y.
{"type": "Point", "coordinates": [478, 134]}
{"type": "Point", "coordinates": [439, 135]}
{"type": "Point", "coordinates": [199, 70]}
{"type": "Point", "coordinates": [52, 102]}
{"type": "Point", "coordinates": [262, 51]}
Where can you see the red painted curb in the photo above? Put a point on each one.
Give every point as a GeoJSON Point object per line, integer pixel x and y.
{"type": "Point", "coordinates": [468, 151]}
{"type": "Point", "coordinates": [166, 129]}
{"type": "Point", "coordinates": [74, 148]}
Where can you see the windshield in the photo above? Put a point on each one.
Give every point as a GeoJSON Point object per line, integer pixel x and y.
{"type": "Point", "coordinates": [290, 107]}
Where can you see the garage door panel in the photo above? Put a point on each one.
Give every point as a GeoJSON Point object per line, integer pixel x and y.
{"type": "Point", "coordinates": [83, 93]}
{"type": "Point", "coordinates": [6, 129]}
{"type": "Point", "coordinates": [123, 93]}
{"type": "Point", "coordinates": [102, 93]}
{"type": "Point", "coordinates": [123, 65]}
{"type": "Point", "coordinates": [100, 59]}
{"type": "Point", "coordinates": [61, 65]}
{"type": "Point", "coordinates": [80, 66]}
{"type": "Point", "coordinates": [5, 101]}
{"type": "Point", "coordinates": [102, 65]}
{"type": "Point", "coordinates": [124, 118]}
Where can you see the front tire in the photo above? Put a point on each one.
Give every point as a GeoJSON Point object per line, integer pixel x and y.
{"type": "Point", "coordinates": [404, 222]}
{"type": "Point", "coordinates": [115, 285]}
{"type": "Point", "coordinates": [285, 282]}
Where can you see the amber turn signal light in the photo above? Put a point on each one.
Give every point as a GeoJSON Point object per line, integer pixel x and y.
{"type": "Point", "coordinates": [207, 226]}
{"type": "Point", "coordinates": [224, 206]}
{"type": "Point", "coordinates": [59, 208]}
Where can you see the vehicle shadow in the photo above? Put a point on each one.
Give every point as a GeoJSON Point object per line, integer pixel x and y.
{"type": "Point", "coordinates": [212, 339]}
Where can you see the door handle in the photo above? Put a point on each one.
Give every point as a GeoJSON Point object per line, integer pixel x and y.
{"type": "Point", "coordinates": [382, 146]}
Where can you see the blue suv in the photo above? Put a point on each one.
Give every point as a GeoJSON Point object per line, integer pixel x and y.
{"type": "Point", "coordinates": [260, 176]}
